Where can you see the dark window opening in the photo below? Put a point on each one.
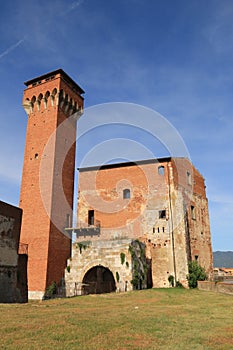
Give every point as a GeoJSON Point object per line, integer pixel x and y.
{"type": "Point", "coordinates": [193, 212]}
{"type": "Point", "coordinates": [196, 257]}
{"type": "Point", "coordinates": [36, 156]}
{"type": "Point", "coordinates": [68, 223]}
{"type": "Point", "coordinates": [91, 217]}
{"type": "Point", "coordinates": [163, 229]}
{"type": "Point", "coordinates": [98, 280]}
{"type": "Point", "coordinates": [189, 180]}
{"type": "Point", "coordinates": [162, 214]}
{"type": "Point", "coordinates": [161, 170]}
{"type": "Point", "coordinates": [153, 229]}
{"type": "Point", "coordinates": [126, 193]}
{"type": "Point", "coordinates": [158, 229]}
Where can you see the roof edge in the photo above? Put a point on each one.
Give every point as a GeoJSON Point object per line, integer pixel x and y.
{"type": "Point", "coordinates": [55, 72]}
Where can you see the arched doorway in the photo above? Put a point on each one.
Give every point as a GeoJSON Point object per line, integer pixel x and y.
{"type": "Point", "coordinates": [98, 280]}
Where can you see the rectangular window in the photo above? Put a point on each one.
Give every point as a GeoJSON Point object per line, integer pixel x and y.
{"type": "Point", "coordinates": [189, 179]}
{"type": "Point", "coordinates": [193, 212]}
{"type": "Point", "coordinates": [90, 217]}
{"type": "Point", "coordinates": [161, 170]}
{"type": "Point", "coordinates": [68, 223]}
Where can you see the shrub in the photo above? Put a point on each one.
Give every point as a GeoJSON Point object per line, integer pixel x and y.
{"type": "Point", "coordinates": [179, 284]}
{"type": "Point", "coordinates": [50, 291]}
{"type": "Point", "coordinates": [122, 255]}
{"type": "Point", "coordinates": [117, 276]}
{"type": "Point", "coordinates": [171, 280]}
{"type": "Point", "coordinates": [196, 273]}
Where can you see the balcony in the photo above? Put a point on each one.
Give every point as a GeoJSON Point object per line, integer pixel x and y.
{"type": "Point", "coordinates": [85, 230]}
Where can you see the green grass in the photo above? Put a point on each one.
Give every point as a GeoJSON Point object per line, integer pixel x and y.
{"type": "Point", "coordinates": [150, 319]}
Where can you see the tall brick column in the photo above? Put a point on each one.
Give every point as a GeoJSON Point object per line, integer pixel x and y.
{"type": "Point", "coordinates": [53, 103]}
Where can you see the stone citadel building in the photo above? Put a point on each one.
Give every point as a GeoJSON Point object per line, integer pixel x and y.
{"type": "Point", "coordinates": [139, 224]}
{"type": "Point", "coordinates": [160, 203]}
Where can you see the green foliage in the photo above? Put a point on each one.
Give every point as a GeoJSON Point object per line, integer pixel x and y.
{"type": "Point", "coordinates": [82, 245]}
{"type": "Point", "coordinates": [50, 291]}
{"type": "Point", "coordinates": [137, 251]}
{"type": "Point", "coordinates": [68, 268]}
{"type": "Point", "coordinates": [117, 277]}
{"type": "Point", "coordinates": [171, 280]}
{"type": "Point", "coordinates": [122, 255]}
{"type": "Point", "coordinates": [196, 273]}
{"type": "Point", "coordinates": [179, 285]}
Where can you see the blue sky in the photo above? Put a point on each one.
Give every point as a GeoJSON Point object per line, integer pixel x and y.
{"type": "Point", "coordinates": [171, 56]}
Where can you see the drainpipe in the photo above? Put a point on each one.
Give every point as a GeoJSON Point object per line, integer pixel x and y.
{"type": "Point", "coordinates": [172, 226]}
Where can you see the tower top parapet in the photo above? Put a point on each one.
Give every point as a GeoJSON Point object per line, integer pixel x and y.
{"type": "Point", "coordinates": [52, 75]}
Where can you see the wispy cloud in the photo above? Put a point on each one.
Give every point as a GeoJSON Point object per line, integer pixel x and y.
{"type": "Point", "coordinates": [74, 5]}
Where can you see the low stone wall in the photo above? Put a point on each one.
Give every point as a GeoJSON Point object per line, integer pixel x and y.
{"type": "Point", "coordinates": [221, 287]}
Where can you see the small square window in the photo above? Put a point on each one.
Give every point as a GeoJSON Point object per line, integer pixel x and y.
{"type": "Point", "coordinates": [162, 214]}
{"type": "Point", "coordinates": [126, 194]}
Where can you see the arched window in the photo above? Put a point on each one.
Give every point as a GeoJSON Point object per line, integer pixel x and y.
{"type": "Point", "coordinates": [126, 193]}
{"type": "Point", "coordinates": [161, 170]}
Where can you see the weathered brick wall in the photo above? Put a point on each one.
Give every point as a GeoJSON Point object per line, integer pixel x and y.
{"type": "Point", "coordinates": [171, 240]}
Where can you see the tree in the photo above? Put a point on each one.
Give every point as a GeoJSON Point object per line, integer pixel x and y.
{"type": "Point", "coordinates": [196, 273]}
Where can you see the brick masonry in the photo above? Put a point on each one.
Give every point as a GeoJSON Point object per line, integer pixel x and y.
{"type": "Point", "coordinates": [167, 211]}
{"type": "Point", "coordinates": [48, 176]}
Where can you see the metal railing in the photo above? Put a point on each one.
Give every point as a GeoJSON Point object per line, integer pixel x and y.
{"type": "Point", "coordinates": [84, 229]}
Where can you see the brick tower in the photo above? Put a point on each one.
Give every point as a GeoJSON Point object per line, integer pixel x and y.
{"type": "Point", "coordinates": [53, 103]}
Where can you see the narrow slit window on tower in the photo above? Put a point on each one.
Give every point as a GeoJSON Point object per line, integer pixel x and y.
{"type": "Point", "coordinates": [126, 194]}
{"type": "Point", "coordinates": [189, 179]}
{"type": "Point", "coordinates": [91, 217]}
{"type": "Point", "coordinates": [193, 216]}
{"type": "Point", "coordinates": [161, 170]}
{"type": "Point", "coordinates": [68, 220]}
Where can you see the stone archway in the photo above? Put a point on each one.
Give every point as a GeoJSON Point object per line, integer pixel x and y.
{"type": "Point", "coordinates": [98, 280]}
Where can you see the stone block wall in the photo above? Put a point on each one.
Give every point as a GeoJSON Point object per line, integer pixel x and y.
{"type": "Point", "coordinates": [102, 253]}
{"type": "Point", "coordinates": [10, 223]}
{"type": "Point", "coordinates": [221, 287]}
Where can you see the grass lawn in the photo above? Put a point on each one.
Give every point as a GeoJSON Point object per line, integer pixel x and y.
{"type": "Point", "coordinates": [149, 319]}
